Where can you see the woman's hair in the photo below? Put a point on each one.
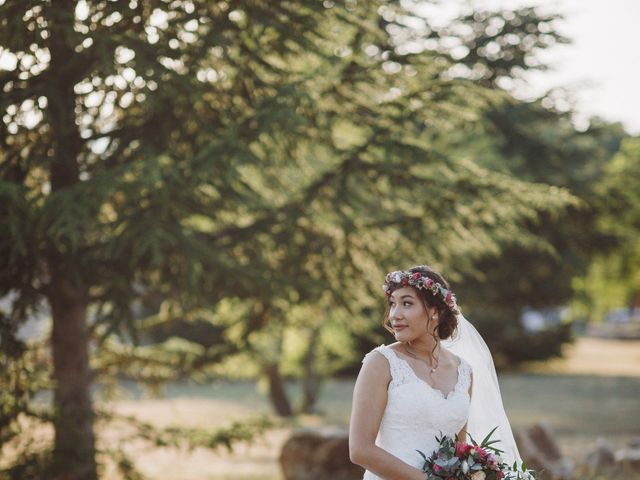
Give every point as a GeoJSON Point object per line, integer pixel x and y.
{"type": "Point", "coordinates": [447, 319]}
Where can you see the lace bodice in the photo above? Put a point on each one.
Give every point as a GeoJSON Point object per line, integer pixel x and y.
{"type": "Point", "coordinates": [416, 412]}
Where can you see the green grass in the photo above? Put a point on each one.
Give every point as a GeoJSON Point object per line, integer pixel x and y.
{"type": "Point", "coordinates": [574, 404]}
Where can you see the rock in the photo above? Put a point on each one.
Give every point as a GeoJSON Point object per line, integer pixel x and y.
{"type": "Point", "coordinates": [526, 446]}
{"type": "Point", "coordinates": [628, 458]}
{"type": "Point", "coordinates": [318, 454]}
{"type": "Point", "coordinates": [602, 457]}
{"type": "Point", "coordinates": [541, 452]}
{"type": "Point", "coordinates": [542, 436]}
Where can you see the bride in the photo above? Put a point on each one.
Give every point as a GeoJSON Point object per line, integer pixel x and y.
{"type": "Point", "coordinates": [437, 378]}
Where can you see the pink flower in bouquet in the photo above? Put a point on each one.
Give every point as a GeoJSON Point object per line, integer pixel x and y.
{"type": "Point", "coordinates": [462, 449]}
{"type": "Point", "coordinates": [479, 451]}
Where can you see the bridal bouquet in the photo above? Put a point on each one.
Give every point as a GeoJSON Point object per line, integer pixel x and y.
{"type": "Point", "coordinates": [462, 461]}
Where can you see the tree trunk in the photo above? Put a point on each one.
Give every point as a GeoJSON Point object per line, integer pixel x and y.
{"type": "Point", "coordinates": [310, 379]}
{"type": "Point", "coordinates": [277, 392]}
{"type": "Point", "coordinates": [74, 450]}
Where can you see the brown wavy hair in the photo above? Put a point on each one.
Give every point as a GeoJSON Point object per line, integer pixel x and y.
{"type": "Point", "coordinates": [447, 320]}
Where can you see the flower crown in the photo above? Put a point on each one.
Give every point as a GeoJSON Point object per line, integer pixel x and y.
{"type": "Point", "coordinates": [405, 278]}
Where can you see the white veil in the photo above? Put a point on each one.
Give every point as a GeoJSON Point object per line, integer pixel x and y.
{"type": "Point", "coordinates": [486, 411]}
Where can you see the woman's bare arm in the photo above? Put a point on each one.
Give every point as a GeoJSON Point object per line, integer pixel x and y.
{"type": "Point", "coordinates": [369, 402]}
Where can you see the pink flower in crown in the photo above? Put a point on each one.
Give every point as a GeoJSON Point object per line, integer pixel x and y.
{"type": "Point", "coordinates": [405, 281]}
{"type": "Point", "coordinates": [416, 275]}
{"type": "Point", "coordinates": [428, 282]}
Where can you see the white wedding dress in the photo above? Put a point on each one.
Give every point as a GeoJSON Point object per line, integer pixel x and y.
{"type": "Point", "coordinates": [416, 412]}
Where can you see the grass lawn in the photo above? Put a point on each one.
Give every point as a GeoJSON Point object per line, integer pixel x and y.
{"type": "Point", "coordinates": [578, 402]}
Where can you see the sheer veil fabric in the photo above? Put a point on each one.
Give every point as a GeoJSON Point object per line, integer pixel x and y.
{"type": "Point", "coordinates": [486, 410]}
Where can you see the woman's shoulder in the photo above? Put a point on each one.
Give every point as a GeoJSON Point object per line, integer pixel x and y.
{"type": "Point", "coordinates": [464, 367]}
{"type": "Point", "coordinates": [375, 362]}
{"type": "Point", "coordinates": [457, 360]}
{"type": "Point", "coordinates": [395, 346]}
{"type": "Point", "coordinates": [387, 351]}
{"type": "Point", "coordinates": [381, 349]}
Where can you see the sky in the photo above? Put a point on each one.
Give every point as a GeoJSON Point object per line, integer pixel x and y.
{"type": "Point", "coordinates": [601, 67]}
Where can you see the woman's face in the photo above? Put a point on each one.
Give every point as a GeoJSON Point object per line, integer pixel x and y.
{"type": "Point", "coordinates": [408, 315]}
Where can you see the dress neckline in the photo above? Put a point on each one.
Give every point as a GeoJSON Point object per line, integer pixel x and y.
{"type": "Point", "coordinates": [437, 390]}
